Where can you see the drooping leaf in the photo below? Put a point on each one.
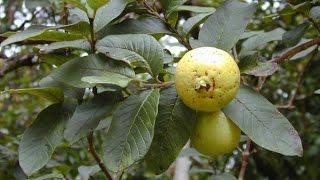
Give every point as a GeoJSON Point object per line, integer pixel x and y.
{"type": "Point", "coordinates": [93, 65]}
{"type": "Point", "coordinates": [96, 4]}
{"type": "Point", "coordinates": [263, 123]}
{"type": "Point", "coordinates": [78, 44]}
{"type": "Point", "coordinates": [42, 137]}
{"type": "Point", "coordinates": [193, 22]}
{"type": "Point", "coordinates": [293, 37]}
{"type": "Point", "coordinates": [251, 65]}
{"type": "Point", "coordinates": [173, 128]}
{"type": "Point", "coordinates": [52, 94]}
{"type": "Point", "coordinates": [86, 171]}
{"type": "Point", "coordinates": [170, 5]}
{"type": "Point", "coordinates": [108, 78]}
{"type": "Point", "coordinates": [261, 39]}
{"type": "Point", "coordinates": [40, 33]}
{"type": "Point", "coordinates": [56, 59]}
{"type": "Point", "coordinates": [109, 12]}
{"type": "Point", "coordinates": [225, 26]}
{"type": "Point", "coordinates": [48, 176]}
{"type": "Point", "coordinates": [87, 115]}
{"type": "Point", "coordinates": [131, 132]}
{"type": "Point", "coordinates": [142, 25]}
{"type": "Point", "coordinates": [68, 91]}
{"type": "Point", "coordinates": [134, 48]}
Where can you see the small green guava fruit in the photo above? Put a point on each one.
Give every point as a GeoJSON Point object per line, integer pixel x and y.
{"type": "Point", "coordinates": [215, 134]}
{"type": "Point", "coordinates": [207, 79]}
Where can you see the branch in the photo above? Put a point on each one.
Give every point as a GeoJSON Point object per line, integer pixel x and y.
{"type": "Point", "coordinates": [245, 158]}
{"type": "Point", "coordinates": [11, 65]}
{"type": "Point", "coordinates": [184, 41]}
{"type": "Point", "coordinates": [289, 54]}
{"type": "Point", "coordinates": [96, 156]}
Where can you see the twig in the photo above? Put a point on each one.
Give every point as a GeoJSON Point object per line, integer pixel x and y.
{"type": "Point", "coordinates": [245, 158]}
{"type": "Point", "coordinates": [34, 14]}
{"type": "Point", "coordinates": [290, 104]}
{"type": "Point", "coordinates": [181, 39]}
{"type": "Point", "coordinates": [289, 54]}
{"type": "Point", "coordinates": [96, 156]}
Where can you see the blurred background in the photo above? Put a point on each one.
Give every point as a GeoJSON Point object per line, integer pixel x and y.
{"type": "Point", "coordinates": [18, 111]}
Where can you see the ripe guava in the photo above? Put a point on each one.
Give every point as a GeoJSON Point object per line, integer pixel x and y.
{"type": "Point", "coordinates": [215, 134]}
{"type": "Point", "coordinates": [207, 79]}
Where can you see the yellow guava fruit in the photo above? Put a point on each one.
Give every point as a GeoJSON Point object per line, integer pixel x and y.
{"type": "Point", "coordinates": [207, 79]}
{"type": "Point", "coordinates": [214, 134]}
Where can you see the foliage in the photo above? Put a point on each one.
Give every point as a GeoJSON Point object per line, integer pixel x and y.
{"type": "Point", "coordinates": [105, 68]}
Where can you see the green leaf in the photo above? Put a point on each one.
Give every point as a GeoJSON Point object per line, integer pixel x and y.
{"type": "Point", "coordinates": [79, 14]}
{"type": "Point", "coordinates": [77, 44]}
{"type": "Point", "coordinates": [142, 25]}
{"type": "Point", "coordinates": [195, 9]}
{"type": "Point", "coordinates": [251, 65]}
{"type": "Point", "coordinates": [56, 59]}
{"type": "Point", "coordinates": [260, 40]}
{"type": "Point", "coordinates": [130, 134]}
{"type": "Point", "coordinates": [76, 3]}
{"type": "Point", "coordinates": [171, 5]}
{"type": "Point", "coordinates": [134, 48]}
{"type": "Point", "coordinates": [315, 12]}
{"type": "Point", "coordinates": [224, 176]}
{"type": "Point", "coordinates": [193, 22]}
{"type": "Point", "coordinates": [86, 171]}
{"type": "Point", "coordinates": [173, 128]}
{"type": "Point", "coordinates": [48, 176]}
{"type": "Point", "coordinates": [293, 37]}
{"type": "Point", "coordinates": [263, 123]}
{"type": "Point", "coordinates": [225, 26]}
{"type": "Point", "coordinates": [42, 137]}
{"type": "Point", "coordinates": [87, 115]}
{"type": "Point", "coordinates": [93, 65]}
{"type": "Point", "coordinates": [108, 78]}
{"type": "Point", "coordinates": [39, 33]}
{"type": "Point", "coordinates": [52, 94]}
{"type": "Point", "coordinates": [68, 91]}
{"type": "Point", "coordinates": [109, 12]}
{"type": "Point", "coordinates": [96, 4]}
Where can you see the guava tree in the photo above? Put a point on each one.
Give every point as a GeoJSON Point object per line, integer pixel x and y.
{"type": "Point", "coordinates": [106, 84]}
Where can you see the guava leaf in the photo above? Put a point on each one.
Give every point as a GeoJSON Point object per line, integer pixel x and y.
{"type": "Point", "coordinates": [134, 48]}
{"type": "Point", "coordinates": [225, 26]}
{"type": "Point", "coordinates": [87, 115]}
{"type": "Point", "coordinates": [109, 12]}
{"type": "Point", "coordinates": [77, 44]}
{"type": "Point", "coordinates": [131, 131]}
{"type": "Point", "coordinates": [73, 71]}
{"type": "Point", "coordinates": [263, 123]}
{"type": "Point", "coordinates": [174, 124]}
{"type": "Point", "coordinates": [52, 94]}
{"type": "Point", "coordinates": [42, 137]}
